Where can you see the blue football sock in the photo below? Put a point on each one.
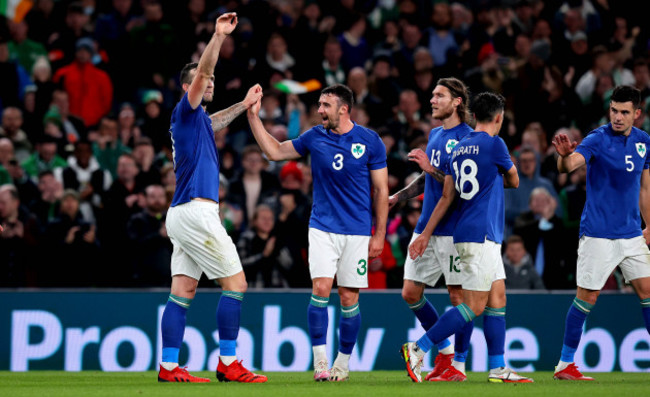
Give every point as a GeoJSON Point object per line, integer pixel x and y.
{"type": "Point", "coordinates": [450, 322]}
{"type": "Point", "coordinates": [575, 320]}
{"type": "Point", "coordinates": [494, 324]}
{"type": "Point", "coordinates": [427, 315]}
{"type": "Point", "coordinates": [173, 327]}
{"type": "Point", "coordinates": [462, 340]}
{"type": "Point", "coordinates": [645, 309]}
{"type": "Point", "coordinates": [349, 328]}
{"type": "Point", "coordinates": [317, 319]}
{"type": "Point", "coordinates": [228, 313]}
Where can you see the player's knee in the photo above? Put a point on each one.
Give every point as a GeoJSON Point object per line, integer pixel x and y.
{"type": "Point", "coordinates": [410, 296]}
{"type": "Point", "coordinates": [456, 297]}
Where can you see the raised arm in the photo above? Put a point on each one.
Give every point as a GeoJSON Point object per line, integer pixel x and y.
{"type": "Point", "coordinates": [225, 24]}
{"type": "Point", "coordinates": [414, 189]}
{"type": "Point", "coordinates": [511, 178]}
{"type": "Point", "coordinates": [223, 118]}
{"type": "Point", "coordinates": [274, 150]}
{"type": "Point", "coordinates": [380, 189]}
{"type": "Point", "coordinates": [644, 202]}
{"type": "Point", "coordinates": [569, 159]}
{"type": "Point", "coordinates": [419, 245]}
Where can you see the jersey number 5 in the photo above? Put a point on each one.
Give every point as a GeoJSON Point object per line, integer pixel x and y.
{"type": "Point", "coordinates": [463, 177]}
{"type": "Point", "coordinates": [629, 164]}
{"type": "Point", "coordinates": [338, 162]}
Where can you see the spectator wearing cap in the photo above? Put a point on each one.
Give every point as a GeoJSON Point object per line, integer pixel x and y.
{"type": "Point", "coordinates": [154, 123]}
{"type": "Point", "coordinates": [70, 242]}
{"type": "Point", "coordinates": [89, 88]}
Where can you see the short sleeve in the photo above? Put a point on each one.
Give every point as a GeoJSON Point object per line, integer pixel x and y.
{"type": "Point", "coordinates": [587, 148]}
{"type": "Point", "coordinates": [302, 143]}
{"type": "Point", "coordinates": [377, 155]}
{"type": "Point", "coordinates": [184, 107]}
{"type": "Point", "coordinates": [501, 155]}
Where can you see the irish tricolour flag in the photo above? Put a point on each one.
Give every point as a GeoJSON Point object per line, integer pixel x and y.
{"type": "Point", "coordinates": [295, 87]}
{"type": "Point", "coordinates": [15, 10]}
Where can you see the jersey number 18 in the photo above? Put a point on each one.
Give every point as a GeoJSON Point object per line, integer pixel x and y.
{"type": "Point", "coordinates": [463, 177]}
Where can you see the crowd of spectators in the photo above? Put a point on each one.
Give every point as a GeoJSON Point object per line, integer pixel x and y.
{"type": "Point", "coordinates": [87, 88]}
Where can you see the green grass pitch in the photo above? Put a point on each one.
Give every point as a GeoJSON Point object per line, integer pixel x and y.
{"type": "Point", "coordinates": [374, 384]}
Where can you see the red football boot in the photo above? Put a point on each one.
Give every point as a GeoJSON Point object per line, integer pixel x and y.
{"type": "Point", "coordinates": [235, 372]}
{"type": "Point", "coordinates": [179, 374]}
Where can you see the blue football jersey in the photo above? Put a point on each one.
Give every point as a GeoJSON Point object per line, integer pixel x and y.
{"type": "Point", "coordinates": [441, 144]}
{"type": "Point", "coordinates": [196, 162]}
{"type": "Point", "coordinates": [614, 166]}
{"type": "Point", "coordinates": [477, 164]}
{"type": "Point", "coordinates": [340, 166]}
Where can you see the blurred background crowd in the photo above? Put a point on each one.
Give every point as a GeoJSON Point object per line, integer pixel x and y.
{"type": "Point", "coordinates": [87, 88]}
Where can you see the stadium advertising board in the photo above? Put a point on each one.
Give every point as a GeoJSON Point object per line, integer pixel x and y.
{"type": "Point", "coordinates": [120, 331]}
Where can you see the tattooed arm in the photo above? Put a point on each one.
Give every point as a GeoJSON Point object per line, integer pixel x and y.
{"type": "Point", "coordinates": [414, 189]}
{"type": "Point", "coordinates": [223, 118]}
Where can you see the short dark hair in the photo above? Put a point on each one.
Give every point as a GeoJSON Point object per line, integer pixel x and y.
{"type": "Point", "coordinates": [486, 105]}
{"type": "Point", "coordinates": [185, 72]}
{"type": "Point", "coordinates": [342, 92]}
{"type": "Point", "coordinates": [626, 93]}
{"type": "Point", "coordinates": [514, 239]}
{"type": "Point", "coordinates": [457, 89]}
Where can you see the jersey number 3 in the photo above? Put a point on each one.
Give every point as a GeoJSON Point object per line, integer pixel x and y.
{"type": "Point", "coordinates": [338, 162]}
{"type": "Point", "coordinates": [463, 177]}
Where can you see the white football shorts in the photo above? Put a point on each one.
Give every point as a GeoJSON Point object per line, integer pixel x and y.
{"type": "Point", "coordinates": [598, 257]}
{"type": "Point", "coordinates": [201, 244]}
{"type": "Point", "coordinates": [482, 265]}
{"type": "Point", "coordinates": [439, 258]}
{"type": "Point", "coordinates": [341, 255]}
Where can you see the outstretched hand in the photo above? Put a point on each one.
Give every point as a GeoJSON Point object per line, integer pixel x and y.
{"type": "Point", "coordinates": [563, 145]}
{"type": "Point", "coordinates": [226, 23]}
{"type": "Point", "coordinates": [253, 95]}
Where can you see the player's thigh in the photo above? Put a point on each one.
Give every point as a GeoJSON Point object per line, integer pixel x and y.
{"type": "Point", "coordinates": [352, 269]}
{"type": "Point", "coordinates": [636, 264]}
{"type": "Point", "coordinates": [423, 269]}
{"type": "Point", "coordinates": [447, 259]}
{"type": "Point", "coordinates": [324, 254]}
{"type": "Point", "coordinates": [181, 262]}
{"type": "Point", "coordinates": [481, 265]}
{"type": "Point", "coordinates": [597, 259]}
{"type": "Point", "coordinates": [203, 238]}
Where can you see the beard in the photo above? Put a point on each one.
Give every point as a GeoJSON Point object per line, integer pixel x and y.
{"type": "Point", "coordinates": [444, 114]}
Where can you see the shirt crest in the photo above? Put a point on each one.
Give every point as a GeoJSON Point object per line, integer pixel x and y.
{"type": "Point", "coordinates": [358, 150]}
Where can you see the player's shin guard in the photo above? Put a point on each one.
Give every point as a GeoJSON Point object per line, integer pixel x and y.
{"type": "Point", "coordinates": [575, 320]}
{"type": "Point", "coordinates": [173, 327]}
{"type": "Point", "coordinates": [228, 314]}
{"type": "Point", "coordinates": [494, 324]}
{"type": "Point", "coordinates": [317, 319]}
{"type": "Point", "coordinates": [450, 322]}
{"type": "Point", "coordinates": [462, 340]}
{"type": "Point", "coordinates": [645, 309]}
{"type": "Point", "coordinates": [349, 328]}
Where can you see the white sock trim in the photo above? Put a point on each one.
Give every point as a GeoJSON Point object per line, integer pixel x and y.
{"type": "Point", "coordinates": [169, 366]}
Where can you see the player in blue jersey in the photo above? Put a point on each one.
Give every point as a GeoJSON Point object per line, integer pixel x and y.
{"type": "Point", "coordinates": [348, 165]}
{"type": "Point", "coordinates": [449, 104]}
{"type": "Point", "coordinates": [618, 190]}
{"type": "Point", "coordinates": [475, 175]}
{"type": "Point", "coordinates": [201, 245]}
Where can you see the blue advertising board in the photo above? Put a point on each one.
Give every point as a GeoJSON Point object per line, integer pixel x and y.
{"type": "Point", "coordinates": [120, 331]}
